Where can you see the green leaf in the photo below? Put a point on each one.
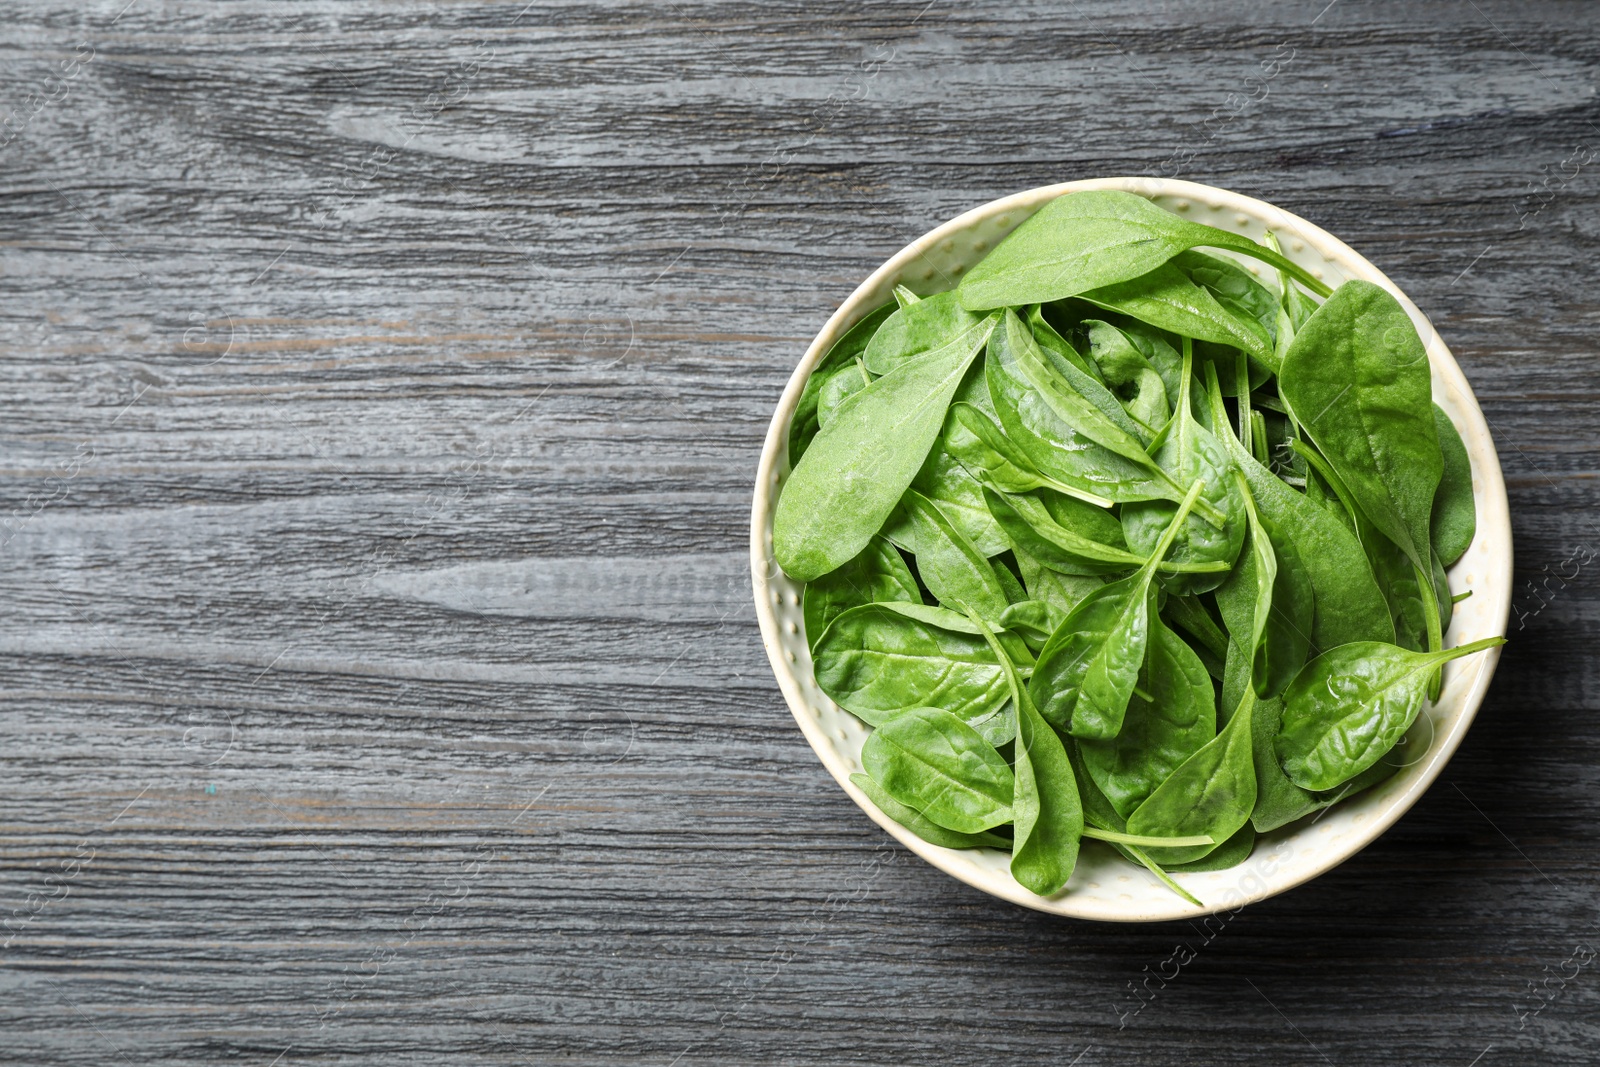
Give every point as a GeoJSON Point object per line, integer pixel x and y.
{"type": "Point", "coordinates": [1268, 605]}
{"type": "Point", "coordinates": [921, 327]}
{"type": "Point", "coordinates": [1212, 792]}
{"type": "Point", "coordinates": [1455, 516]}
{"type": "Point", "coordinates": [1189, 614]}
{"type": "Point", "coordinates": [1394, 573]}
{"type": "Point", "coordinates": [1064, 398]}
{"type": "Point", "coordinates": [859, 465]}
{"type": "Point", "coordinates": [878, 573]}
{"type": "Point", "coordinates": [1233, 287]}
{"type": "Point", "coordinates": [1030, 526]}
{"type": "Point", "coordinates": [1072, 461]}
{"type": "Point", "coordinates": [1278, 800]}
{"type": "Point", "coordinates": [958, 622]}
{"type": "Point", "coordinates": [1085, 240]}
{"type": "Point", "coordinates": [1123, 365]}
{"type": "Point", "coordinates": [1062, 592]}
{"type": "Point", "coordinates": [1087, 671]}
{"type": "Point", "coordinates": [919, 824]}
{"type": "Point", "coordinates": [988, 455]}
{"type": "Point", "coordinates": [1349, 605]}
{"type": "Point", "coordinates": [1159, 732]}
{"type": "Point", "coordinates": [1232, 852]}
{"type": "Point", "coordinates": [959, 495]}
{"type": "Point", "coordinates": [1084, 378]}
{"type": "Point", "coordinates": [951, 566]}
{"type": "Point", "coordinates": [1192, 454]}
{"type": "Point", "coordinates": [1154, 345]}
{"type": "Point", "coordinates": [1351, 704]}
{"type": "Point", "coordinates": [1074, 537]}
{"type": "Point", "coordinates": [840, 358]}
{"type": "Point", "coordinates": [932, 761]}
{"type": "Point", "coordinates": [1047, 812]}
{"type": "Point", "coordinates": [1032, 620]}
{"type": "Point", "coordinates": [877, 662]}
{"type": "Point", "coordinates": [841, 387]}
{"type": "Point", "coordinates": [1050, 340]}
{"type": "Point", "coordinates": [1168, 299]}
{"type": "Point", "coordinates": [1357, 380]}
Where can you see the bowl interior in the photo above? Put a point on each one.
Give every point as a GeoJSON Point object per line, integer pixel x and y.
{"type": "Point", "coordinates": [1104, 886]}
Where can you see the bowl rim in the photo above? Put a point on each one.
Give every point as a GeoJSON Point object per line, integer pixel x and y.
{"type": "Point", "coordinates": [1493, 523]}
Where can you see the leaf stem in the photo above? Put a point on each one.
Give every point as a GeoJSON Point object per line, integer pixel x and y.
{"type": "Point", "coordinates": [1468, 649]}
{"type": "Point", "coordinates": [1171, 532]}
{"type": "Point", "coordinates": [1285, 264]}
{"type": "Point", "coordinates": [1166, 879]}
{"type": "Point", "coordinates": [1241, 374]}
{"type": "Point", "coordinates": [1430, 616]}
{"type": "Point", "coordinates": [1116, 838]}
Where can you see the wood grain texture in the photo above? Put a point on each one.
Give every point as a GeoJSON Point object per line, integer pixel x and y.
{"type": "Point", "coordinates": [382, 385]}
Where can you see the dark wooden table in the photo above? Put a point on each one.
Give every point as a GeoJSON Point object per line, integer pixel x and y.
{"type": "Point", "coordinates": [382, 388]}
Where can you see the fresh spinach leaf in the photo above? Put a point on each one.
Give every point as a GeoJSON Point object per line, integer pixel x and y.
{"type": "Point", "coordinates": [1074, 537]}
{"type": "Point", "coordinates": [921, 825]}
{"type": "Point", "coordinates": [984, 450]}
{"type": "Point", "coordinates": [1122, 365]}
{"type": "Point", "coordinates": [840, 358]}
{"type": "Point", "coordinates": [1062, 592]}
{"type": "Point", "coordinates": [1087, 670]}
{"type": "Point", "coordinates": [1297, 306]}
{"type": "Point", "coordinates": [1357, 380]}
{"type": "Point", "coordinates": [1351, 704]}
{"type": "Point", "coordinates": [1086, 240]}
{"type": "Point", "coordinates": [1235, 289]}
{"type": "Point", "coordinates": [1099, 423]}
{"type": "Point", "coordinates": [1048, 813]}
{"type": "Point", "coordinates": [1156, 346]}
{"type": "Point", "coordinates": [1349, 605]}
{"type": "Point", "coordinates": [877, 663]}
{"type": "Point", "coordinates": [1050, 340]}
{"type": "Point", "coordinates": [878, 573]}
{"type": "Point", "coordinates": [1168, 299]}
{"type": "Point", "coordinates": [1268, 604]}
{"type": "Point", "coordinates": [1088, 384]}
{"type": "Point", "coordinates": [1033, 621]}
{"type": "Point", "coordinates": [1232, 852]}
{"type": "Point", "coordinates": [959, 495]}
{"type": "Point", "coordinates": [932, 761]}
{"type": "Point", "coordinates": [857, 468]}
{"type": "Point", "coordinates": [839, 388]}
{"type": "Point", "coordinates": [1278, 800]}
{"type": "Point", "coordinates": [1161, 729]}
{"type": "Point", "coordinates": [1455, 516]}
{"type": "Point", "coordinates": [958, 622]}
{"type": "Point", "coordinates": [1394, 573]}
{"type": "Point", "coordinates": [1071, 461]}
{"type": "Point", "coordinates": [1212, 792]}
{"type": "Point", "coordinates": [951, 566]}
{"type": "Point", "coordinates": [1028, 525]}
{"type": "Point", "coordinates": [1190, 615]}
{"type": "Point", "coordinates": [1192, 455]}
{"type": "Point", "coordinates": [916, 328]}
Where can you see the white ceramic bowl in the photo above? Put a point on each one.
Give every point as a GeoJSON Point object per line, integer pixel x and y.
{"type": "Point", "coordinates": [1104, 886]}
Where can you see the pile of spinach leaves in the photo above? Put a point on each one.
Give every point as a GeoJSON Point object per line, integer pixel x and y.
{"type": "Point", "coordinates": [1116, 540]}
